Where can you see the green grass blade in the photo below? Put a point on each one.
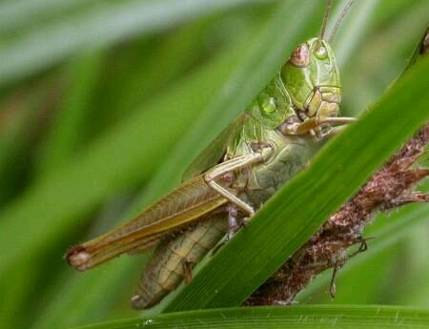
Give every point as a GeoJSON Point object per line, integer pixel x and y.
{"type": "Point", "coordinates": [65, 135]}
{"type": "Point", "coordinates": [297, 211]}
{"type": "Point", "coordinates": [296, 317]}
{"type": "Point", "coordinates": [47, 44]}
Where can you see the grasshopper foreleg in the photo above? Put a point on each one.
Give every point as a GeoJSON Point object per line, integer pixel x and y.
{"type": "Point", "coordinates": [229, 166]}
{"type": "Point", "coordinates": [313, 124]}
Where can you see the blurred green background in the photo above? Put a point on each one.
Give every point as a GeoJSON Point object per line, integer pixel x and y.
{"type": "Point", "coordinates": [95, 99]}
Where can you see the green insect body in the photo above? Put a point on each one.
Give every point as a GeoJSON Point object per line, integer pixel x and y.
{"type": "Point", "coordinates": [245, 165]}
{"type": "Point", "coordinates": [307, 86]}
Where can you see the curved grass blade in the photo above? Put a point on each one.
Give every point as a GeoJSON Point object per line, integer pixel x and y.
{"type": "Point", "coordinates": [297, 317]}
{"type": "Point", "coordinates": [297, 211]}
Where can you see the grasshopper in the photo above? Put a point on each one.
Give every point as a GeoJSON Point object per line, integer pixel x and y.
{"type": "Point", "coordinates": [264, 147]}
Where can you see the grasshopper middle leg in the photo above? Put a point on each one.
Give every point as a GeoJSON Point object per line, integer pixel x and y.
{"type": "Point", "coordinates": [313, 124]}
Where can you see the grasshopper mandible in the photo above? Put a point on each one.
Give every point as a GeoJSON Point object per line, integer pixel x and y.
{"type": "Point", "coordinates": [269, 143]}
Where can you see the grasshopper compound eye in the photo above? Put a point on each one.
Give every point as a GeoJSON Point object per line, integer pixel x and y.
{"type": "Point", "coordinates": [300, 56]}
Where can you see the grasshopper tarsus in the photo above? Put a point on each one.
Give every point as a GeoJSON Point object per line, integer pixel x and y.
{"type": "Point", "coordinates": [187, 271]}
{"type": "Point", "coordinates": [332, 284]}
{"type": "Point", "coordinates": [363, 245]}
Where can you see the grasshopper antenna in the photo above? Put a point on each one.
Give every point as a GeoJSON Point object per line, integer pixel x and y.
{"type": "Point", "coordinates": [340, 19]}
{"type": "Point", "coordinates": [325, 19]}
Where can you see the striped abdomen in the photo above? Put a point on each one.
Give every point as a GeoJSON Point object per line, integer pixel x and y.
{"type": "Point", "coordinates": [168, 266]}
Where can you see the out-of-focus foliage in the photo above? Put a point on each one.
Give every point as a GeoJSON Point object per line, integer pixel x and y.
{"type": "Point", "coordinates": [96, 100]}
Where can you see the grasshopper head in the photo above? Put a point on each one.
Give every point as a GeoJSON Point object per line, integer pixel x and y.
{"type": "Point", "coordinates": [312, 79]}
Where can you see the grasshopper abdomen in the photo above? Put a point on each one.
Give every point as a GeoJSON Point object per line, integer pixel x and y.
{"type": "Point", "coordinates": [174, 258]}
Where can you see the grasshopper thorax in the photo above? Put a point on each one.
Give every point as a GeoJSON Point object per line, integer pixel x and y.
{"type": "Point", "coordinates": [312, 80]}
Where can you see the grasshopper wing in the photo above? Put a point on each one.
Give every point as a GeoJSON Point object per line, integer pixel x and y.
{"type": "Point", "coordinates": [214, 152]}
{"type": "Point", "coordinates": [187, 204]}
